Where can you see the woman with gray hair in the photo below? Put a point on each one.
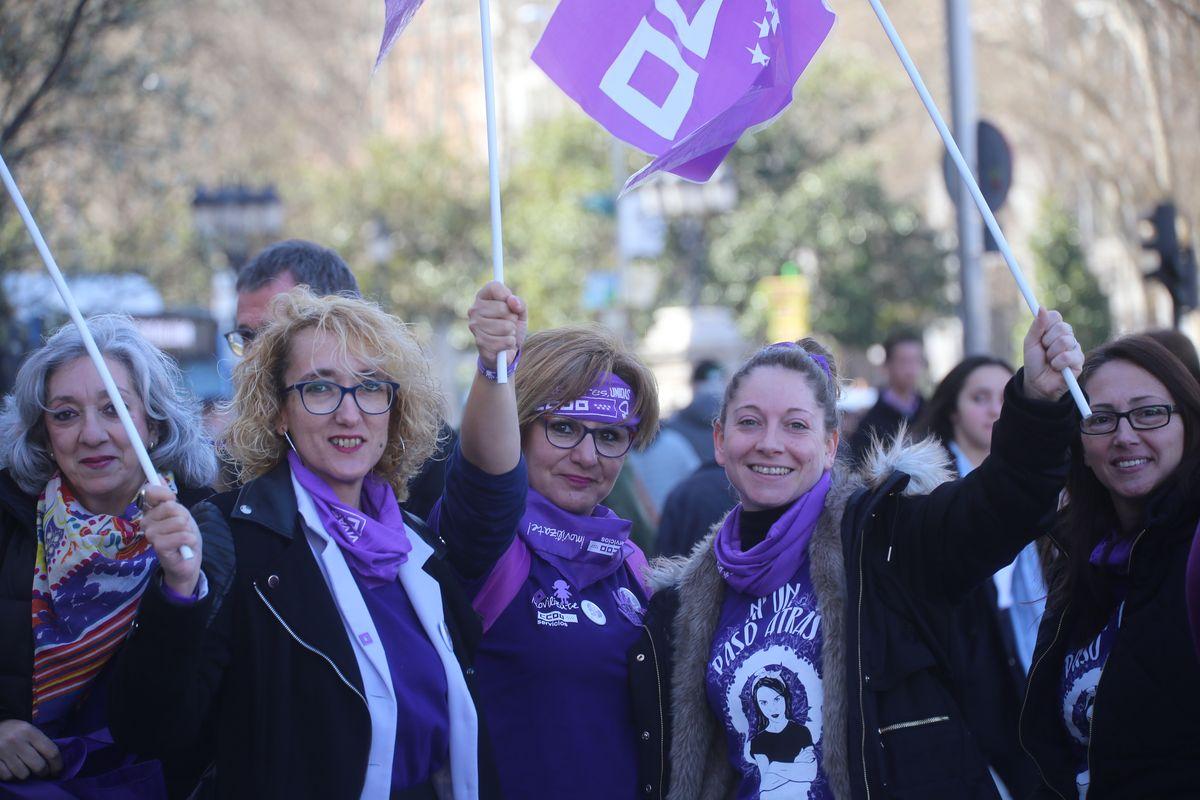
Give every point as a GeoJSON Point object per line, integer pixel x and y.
{"type": "Point", "coordinates": [73, 560]}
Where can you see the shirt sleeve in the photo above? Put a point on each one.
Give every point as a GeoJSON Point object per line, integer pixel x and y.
{"type": "Point", "coordinates": [477, 514]}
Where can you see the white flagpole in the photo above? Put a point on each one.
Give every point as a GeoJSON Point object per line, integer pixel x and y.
{"type": "Point", "coordinates": [88, 342]}
{"type": "Point", "coordinates": [489, 100]}
{"type": "Point", "coordinates": [971, 185]}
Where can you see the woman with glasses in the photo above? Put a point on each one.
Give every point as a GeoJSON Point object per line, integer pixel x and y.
{"type": "Point", "coordinates": [552, 572]}
{"type": "Point", "coordinates": [319, 652]}
{"type": "Point", "coordinates": [1114, 691]}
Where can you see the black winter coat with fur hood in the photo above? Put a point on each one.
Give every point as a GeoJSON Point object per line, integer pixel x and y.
{"type": "Point", "coordinates": [896, 547]}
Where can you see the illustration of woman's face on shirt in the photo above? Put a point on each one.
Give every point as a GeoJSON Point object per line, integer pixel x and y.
{"type": "Point", "coordinates": [772, 706]}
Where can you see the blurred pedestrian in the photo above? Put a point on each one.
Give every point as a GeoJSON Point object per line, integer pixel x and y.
{"type": "Point", "coordinates": [695, 420]}
{"type": "Point", "coordinates": [900, 400]}
{"type": "Point", "coordinates": [1113, 694]}
{"type": "Point", "coordinates": [74, 558]}
{"type": "Point", "coordinates": [700, 501]}
{"type": "Point", "coordinates": [821, 610]}
{"type": "Point", "coordinates": [292, 262]}
{"type": "Point", "coordinates": [572, 711]}
{"type": "Point", "coordinates": [324, 650]}
{"type": "Point", "coordinates": [998, 621]}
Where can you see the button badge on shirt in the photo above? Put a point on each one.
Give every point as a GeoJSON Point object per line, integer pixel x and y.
{"type": "Point", "coordinates": [593, 612]}
{"type": "Point", "coordinates": [629, 605]}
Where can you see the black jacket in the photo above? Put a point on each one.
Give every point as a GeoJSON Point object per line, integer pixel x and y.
{"type": "Point", "coordinates": [264, 659]}
{"type": "Point", "coordinates": [1145, 740]}
{"type": "Point", "coordinates": [992, 684]}
{"type": "Point", "coordinates": [889, 559]}
{"type": "Point", "coordinates": [18, 545]}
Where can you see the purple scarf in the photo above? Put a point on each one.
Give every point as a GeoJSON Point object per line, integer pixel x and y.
{"type": "Point", "coordinates": [1113, 553]}
{"type": "Point", "coordinates": [583, 549]}
{"type": "Point", "coordinates": [772, 562]}
{"type": "Point", "coordinates": [374, 540]}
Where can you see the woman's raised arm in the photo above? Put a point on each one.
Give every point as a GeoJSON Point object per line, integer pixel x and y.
{"type": "Point", "coordinates": [490, 437]}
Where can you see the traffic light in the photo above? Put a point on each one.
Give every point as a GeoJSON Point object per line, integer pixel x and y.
{"type": "Point", "coordinates": [1176, 264]}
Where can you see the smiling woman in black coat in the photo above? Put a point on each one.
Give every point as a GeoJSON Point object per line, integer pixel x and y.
{"type": "Point", "coordinates": [1114, 692]}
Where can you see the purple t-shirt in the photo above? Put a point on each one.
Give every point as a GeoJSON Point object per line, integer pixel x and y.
{"type": "Point", "coordinates": [419, 682]}
{"type": "Point", "coordinates": [554, 687]}
{"type": "Point", "coordinates": [1081, 675]}
{"type": "Point", "coordinates": [764, 685]}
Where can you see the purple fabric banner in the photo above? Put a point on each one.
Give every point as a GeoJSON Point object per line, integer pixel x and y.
{"type": "Point", "coordinates": [396, 16]}
{"type": "Point", "coordinates": [681, 79]}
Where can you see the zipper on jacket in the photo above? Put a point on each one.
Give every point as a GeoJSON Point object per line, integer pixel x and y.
{"type": "Point", "coordinates": [916, 723]}
{"type": "Point", "coordinates": [1025, 701]}
{"type": "Point", "coordinates": [307, 646]}
{"type": "Point", "coordinates": [662, 724]}
{"type": "Point", "coordinates": [862, 713]}
{"type": "Point", "coordinates": [1100, 677]}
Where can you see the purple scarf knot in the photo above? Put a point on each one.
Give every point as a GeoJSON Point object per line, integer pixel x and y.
{"type": "Point", "coordinates": [1113, 553]}
{"type": "Point", "coordinates": [772, 562]}
{"type": "Point", "coordinates": [373, 540]}
{"type": "Point", "coordinates": [584, 549]}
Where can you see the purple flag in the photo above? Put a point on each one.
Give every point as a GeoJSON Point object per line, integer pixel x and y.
{"type": "Point", "coordinates": [396, 16]}
{"type": "Point", "coordinates": [681, 83]}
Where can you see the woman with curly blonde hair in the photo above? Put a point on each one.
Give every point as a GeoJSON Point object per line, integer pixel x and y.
{"type": "Point", "coordinates": [317, 649]}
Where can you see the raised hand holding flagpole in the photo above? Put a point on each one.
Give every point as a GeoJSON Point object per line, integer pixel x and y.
{"type": "Point", "coordinates": [971, 185]}
{"type": "Point", "coordinates": [64, 291]}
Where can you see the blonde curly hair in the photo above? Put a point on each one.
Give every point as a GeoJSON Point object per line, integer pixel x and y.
{"type": "Point", "coordinates": [363, 330]}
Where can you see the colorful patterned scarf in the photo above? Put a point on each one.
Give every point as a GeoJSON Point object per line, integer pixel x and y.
{"type": "Point", "coordinates": [89, 574]}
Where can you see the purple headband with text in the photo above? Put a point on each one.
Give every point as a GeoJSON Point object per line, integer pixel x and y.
{"type": "Point", "coordinates": [609, 400]}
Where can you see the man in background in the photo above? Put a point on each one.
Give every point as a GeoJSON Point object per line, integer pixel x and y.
{"type": "Point", "coordinates": [275, 270]}
{"type": "Point", "coordinates": [899, 400]}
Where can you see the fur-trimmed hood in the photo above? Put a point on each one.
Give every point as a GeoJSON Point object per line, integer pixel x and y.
{"type": "Point", "coordinates": [700, 768]}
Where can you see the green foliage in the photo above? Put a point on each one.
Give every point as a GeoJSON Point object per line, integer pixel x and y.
{"type": "Point", "coordinates": [806, 198]}
{"type": "Point", "coordinates": [413, 221]}
{"type": "Point", "coordinates": [552, 239]}
{"type": "Point", "coordinates": [1065, 280]}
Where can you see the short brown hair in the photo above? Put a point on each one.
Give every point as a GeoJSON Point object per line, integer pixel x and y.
{"type": "Point", "coordinates": [362, 329]}
{"type": "Point", "coordinates": [560, 364]}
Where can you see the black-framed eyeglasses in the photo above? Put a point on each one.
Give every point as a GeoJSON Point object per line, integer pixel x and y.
{"type": "Point", "coordinates": [239, 339]}
{"type": "Point", "coordinates": [325, 397]}
{"type": "Point", "coordinates": [1143, 418]}
{"type": "Point", "coordinates": [610, 441]}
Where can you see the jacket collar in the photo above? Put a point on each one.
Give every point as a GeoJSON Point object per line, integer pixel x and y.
{"type": "Point", "coordinates": [269, 500]}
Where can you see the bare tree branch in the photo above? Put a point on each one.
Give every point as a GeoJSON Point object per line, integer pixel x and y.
{"type": "Point", "coordinates": [30, 105]}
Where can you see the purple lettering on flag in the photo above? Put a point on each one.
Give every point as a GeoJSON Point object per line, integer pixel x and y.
{"type": "Point", "coordinates": [681, 83]}
{"type": "Point", "coordinates": [396, 16]}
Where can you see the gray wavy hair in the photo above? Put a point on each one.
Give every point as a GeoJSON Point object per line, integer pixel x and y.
{"type": "Point", "coordinates": [173, 414]}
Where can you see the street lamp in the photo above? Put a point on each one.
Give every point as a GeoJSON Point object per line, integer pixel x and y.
{"type": "Point", "coordinates": [237, 219]}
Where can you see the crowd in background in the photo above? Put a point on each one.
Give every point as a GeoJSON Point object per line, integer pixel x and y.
{"type": "Point", "coordinates": [343, 597]}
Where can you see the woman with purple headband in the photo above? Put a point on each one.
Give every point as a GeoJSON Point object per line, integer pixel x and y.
{"type": "Point", "coordinates": [552, 571]}
{"type": "Point", "coordinates": [840, 586]}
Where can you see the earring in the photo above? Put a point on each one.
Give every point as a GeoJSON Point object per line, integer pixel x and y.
{"type": "Point", "coordinates": [402, 445]}
{"type": "Point", "coordinates": [291, 444]}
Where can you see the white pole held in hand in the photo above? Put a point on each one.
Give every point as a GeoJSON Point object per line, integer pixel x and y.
{"type": "Point", "coordinates": [489, 100]}
{"type": "Point", "coordinates": [971, 185]}
{"type": "Point", "coordinates": [88, 342]}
